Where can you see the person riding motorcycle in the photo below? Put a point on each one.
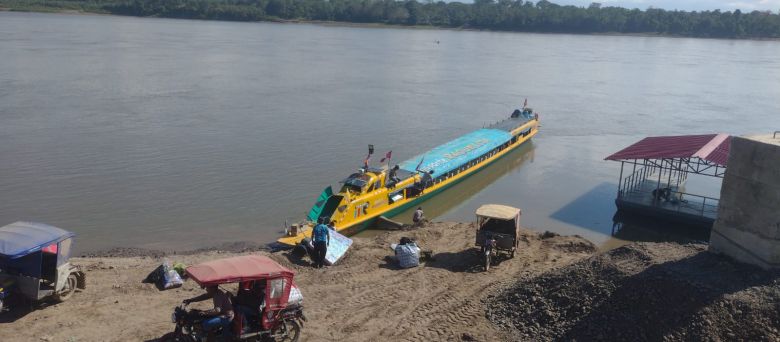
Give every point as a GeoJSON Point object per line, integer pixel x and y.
{"type": "Point", "coordinates": [221, 315]}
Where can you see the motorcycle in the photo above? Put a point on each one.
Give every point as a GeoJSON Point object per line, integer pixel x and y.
{"type": "Point", "coordinates": [488, 251]}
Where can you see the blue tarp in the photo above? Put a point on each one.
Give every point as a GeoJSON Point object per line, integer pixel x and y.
{"type": "Point", "coordinates": [450, 156]}
{"type": "Point", "coordinates": [21, 238]}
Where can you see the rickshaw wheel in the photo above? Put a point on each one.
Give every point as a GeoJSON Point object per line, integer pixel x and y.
{"type": "Point", "coordinates": [67, 292]}
{"type": "Point", "coordinates": [293, 331]}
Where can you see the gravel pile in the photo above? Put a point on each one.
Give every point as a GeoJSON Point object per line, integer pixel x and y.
{"type": "Point", "coordinates": [644, 291]}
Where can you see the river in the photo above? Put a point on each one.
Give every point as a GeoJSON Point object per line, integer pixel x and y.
{"type": "Point", "coordinates": [179, 134]}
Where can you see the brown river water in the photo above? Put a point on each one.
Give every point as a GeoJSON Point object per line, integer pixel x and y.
{"type": "Point", "coordinates": [178, 134]}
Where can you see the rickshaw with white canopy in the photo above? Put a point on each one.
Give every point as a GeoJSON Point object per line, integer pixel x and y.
{"type": "Point", "coordinates": [498, 230]}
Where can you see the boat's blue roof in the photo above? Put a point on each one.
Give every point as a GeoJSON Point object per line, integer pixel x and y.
{"type": "Point", "coordinates": [21, 238]}
{"type": "Point", "coordinates": [450, 156]}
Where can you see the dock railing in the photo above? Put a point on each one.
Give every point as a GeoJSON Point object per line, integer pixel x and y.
{"type": "Point", "coordinates": [701, 205]}
{"type": "Point", "coordinates": [639, 186]}
{"type": "Point", "coordinates": [634, 181]}
{"type": "Point", "coordinates": [637, 179]}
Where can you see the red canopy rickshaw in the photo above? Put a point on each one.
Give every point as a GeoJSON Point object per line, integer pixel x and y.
{"type": "Point", "coordinates": [272, 303]}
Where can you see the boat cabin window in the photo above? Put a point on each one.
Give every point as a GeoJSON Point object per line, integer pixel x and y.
{"type": "Point", "coordinates": [396, 195]}
{"type": "Point", "coordinates": [356, 182]}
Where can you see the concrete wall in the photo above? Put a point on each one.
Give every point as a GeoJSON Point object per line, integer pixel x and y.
{"type": "Point", "coordinates": [748, 224]}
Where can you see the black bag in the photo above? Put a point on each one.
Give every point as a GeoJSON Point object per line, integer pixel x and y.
{"type": "Point", "coordinates": [155, 276]}
{"type": "Point", "coordinates": [305, 247]}
{"type": "Point", "coordinates": [406, 240]}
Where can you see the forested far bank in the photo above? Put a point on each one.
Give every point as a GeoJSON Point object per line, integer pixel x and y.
{"type": "Point", "coordinates": [502, 15]}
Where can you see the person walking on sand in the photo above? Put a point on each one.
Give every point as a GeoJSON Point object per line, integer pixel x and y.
{"type": "Point", "coordinates": [418, 216]}
{"type": "Point", "coordinates": [321, 236]}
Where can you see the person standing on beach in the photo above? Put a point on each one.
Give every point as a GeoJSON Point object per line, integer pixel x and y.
{"type": "Point", "coordinates": [321, 236]}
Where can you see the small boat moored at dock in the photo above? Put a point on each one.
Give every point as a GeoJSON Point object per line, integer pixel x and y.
{"type": "Point", "coordinates": [372, 192]}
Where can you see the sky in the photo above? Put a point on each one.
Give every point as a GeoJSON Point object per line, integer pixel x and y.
{"type": "Point", "coordinates": [683, 5]}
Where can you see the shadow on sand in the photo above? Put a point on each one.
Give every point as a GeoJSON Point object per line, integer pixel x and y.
{"type": "Point", "coordinates": [21, 307]}
{"type": "Point", "coordinates": [468, 261]}
{"type": "Point", "coordinates": [15, 313]}
{"type": "Point", "coordinates": [302, 260]}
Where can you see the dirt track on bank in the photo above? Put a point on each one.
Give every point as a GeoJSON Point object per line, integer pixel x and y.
{"type": "Point", "coordinates": [365, 297]}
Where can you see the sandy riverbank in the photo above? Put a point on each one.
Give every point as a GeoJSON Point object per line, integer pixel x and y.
{"type": "Point", "coordinates": [365, 297]}
{"type": "Point", "coordinates": [557, 287]}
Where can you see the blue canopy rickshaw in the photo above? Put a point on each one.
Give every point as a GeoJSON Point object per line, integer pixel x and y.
{"type": "Point", "coordinates": [34, 262]}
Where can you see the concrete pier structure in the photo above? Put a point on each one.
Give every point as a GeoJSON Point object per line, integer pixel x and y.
{"type": "Point", "coordinates": [748, 224]}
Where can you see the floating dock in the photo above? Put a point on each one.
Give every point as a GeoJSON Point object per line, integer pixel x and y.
{"type": "Point", "coordinates": [681, 206]}
{"type": "Point", "coordinates": [660, 167]}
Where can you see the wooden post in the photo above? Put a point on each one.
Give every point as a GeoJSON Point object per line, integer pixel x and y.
{"type": "Point", "coordinates": [620, 180]}
{"type": "Point", "coordinates": [658, 186]}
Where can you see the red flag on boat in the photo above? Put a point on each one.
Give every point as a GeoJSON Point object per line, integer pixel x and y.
{"type": "Point", "coordinates": [387, 156]}
{"type": "Point", "coordinates": [365, 162]}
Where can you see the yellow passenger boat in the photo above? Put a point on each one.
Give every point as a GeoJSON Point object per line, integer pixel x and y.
{"type": "Point", "coordinates": [373, 192]}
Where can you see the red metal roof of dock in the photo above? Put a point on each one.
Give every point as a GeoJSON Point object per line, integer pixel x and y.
{"type": "Point", "coordinates": [713, 148]}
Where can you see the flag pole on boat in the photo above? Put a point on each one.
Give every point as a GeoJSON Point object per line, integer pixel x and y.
{"type": "Point", "coordinates": [420, 164]}
{"type": "Point", "coordinates": [368, 157]}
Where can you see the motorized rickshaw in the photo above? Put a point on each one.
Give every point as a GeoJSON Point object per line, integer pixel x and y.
{"type": "Point", "coordinates": [267, 304]}
{"type": "Point", "coordinates": [34, 263]}
{"type": "Point", "coordinates": [498, 230]}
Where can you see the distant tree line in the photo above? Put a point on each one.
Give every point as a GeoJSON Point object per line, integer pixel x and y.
{"type": "Point", "coordinates": [504, 15]}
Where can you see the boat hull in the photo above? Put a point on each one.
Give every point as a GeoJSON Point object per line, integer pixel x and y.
{"type": "Point", "coordinates": [392, 210]}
